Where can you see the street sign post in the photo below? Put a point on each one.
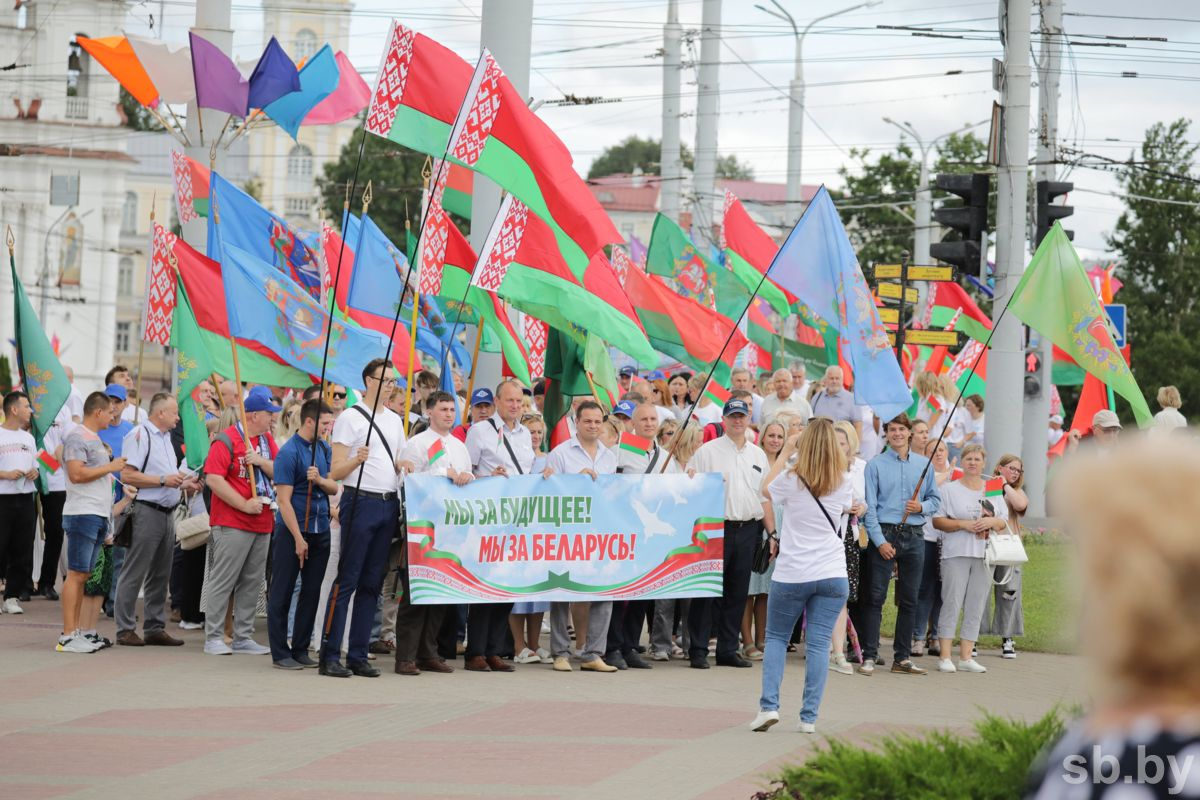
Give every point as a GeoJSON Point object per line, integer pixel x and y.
{"type": "Point", "coordinates": [916, 273]}
{"type": "Point", "coordinates": [897, 291]}
{"type": "Point", "coordinates": [932, 338]}
{"type": "Point", "coordinates": [1116, 313]}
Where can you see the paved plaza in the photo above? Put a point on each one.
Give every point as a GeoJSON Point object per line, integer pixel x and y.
{"type": "Point", "coordinates": [175, 723]}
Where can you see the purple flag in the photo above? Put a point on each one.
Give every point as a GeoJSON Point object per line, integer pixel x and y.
{"type": "Point", "coordinates": [274, 76]}
{"type": "Point", "coordinates": [219, 83]}
{"type": "Point", "coordinates": [637, 250]}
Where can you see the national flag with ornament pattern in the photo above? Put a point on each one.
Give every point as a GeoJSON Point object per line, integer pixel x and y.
{"type": "Point", "coordinates": [634, 444]}
{"type": "Point", "coordinates": [436, 451]}
{"type": "Point", "coordinates": [191, 187]}
{"type": "Point", "coordinates": [159, 303]}
{"type": "Point", "coordinates": [749, 251]}
{"type": "Point", "coordinates": [47, 461]}
{"type": "Point", "coordinates": [993, 487]}
{"type": "Point", "coordinates": [717, 393]}
{"type": "Point", "coordinates": [534, 332]}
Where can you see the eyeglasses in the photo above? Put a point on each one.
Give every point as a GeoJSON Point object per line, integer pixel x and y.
{"type": "Point", "coordinates": [384, 381]}
{"type": "Point", "coordinates": [1017, 470]}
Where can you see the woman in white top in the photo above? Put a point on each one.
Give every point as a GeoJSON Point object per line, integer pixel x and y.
{"type": "Point", "coordinates": [754, 621]}
{"type": "Point", "coordinates": [966, 518]}
{"type": "Point", "coordinates": [678, 401]}
{"type": "Point", "coordinates": [848, 442]}
{"type": "Point", "coordinates": [1169, 419]}
{"type": "Point", "coordinates": [681, 447]}
{"type": "Point", "coordinates": [929, 596]}
{"type": "Point", "coordinates": [810, 565]}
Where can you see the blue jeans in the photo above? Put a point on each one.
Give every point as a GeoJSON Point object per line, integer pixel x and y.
{"type": "Point", "coordinates": [85, 536]}
{"type": "Point", "coordinates": [285, 567]}
{"type": "Point", "coordinates": [368, 526]}
{"type": "Point", "coordinates": [821, 602]}
{"type": "Point", "coordinates": [929, 597]}
{"type": "Point", "coordinates": [909, 560]}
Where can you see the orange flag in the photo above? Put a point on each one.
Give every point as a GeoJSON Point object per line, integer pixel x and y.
{"type": "Point", "coordinates": [116, 55]}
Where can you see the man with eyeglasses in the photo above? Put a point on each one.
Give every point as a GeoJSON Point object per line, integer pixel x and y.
{"type": "Point", "coordinates": [369, 513]}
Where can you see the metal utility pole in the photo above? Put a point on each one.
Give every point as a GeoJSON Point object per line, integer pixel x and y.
{"type": "Point", "coordinates": [214, 23]}
{"type": "Point", "coordinates": [1037, 409]}
{"type": "Point", "coordinates": [1006, 367]}
{"type": "Point", "coordinates": [796, 100]}
{"type": "Point", "coordinates": [671, 165]}
{"type": "Point", "coordinates": [506, 29]}
{"type": "Point", "coordinates": [707, 115]}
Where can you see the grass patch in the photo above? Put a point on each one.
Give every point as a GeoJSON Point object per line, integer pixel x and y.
{"type": "Point", "coordinates": [1046, 597]}
{"type": "Point", "coordinates": [994, 763]}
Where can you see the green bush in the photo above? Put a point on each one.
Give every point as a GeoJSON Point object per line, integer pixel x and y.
{"type": "Point", "coordinates": [994, 763]}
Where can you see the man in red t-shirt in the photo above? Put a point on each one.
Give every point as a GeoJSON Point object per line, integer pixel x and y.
{"type": "Point", "coordinates": [242, 519]}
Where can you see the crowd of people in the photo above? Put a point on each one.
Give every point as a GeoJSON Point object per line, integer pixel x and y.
{"type": "Point", "coordinates": [297, 512]}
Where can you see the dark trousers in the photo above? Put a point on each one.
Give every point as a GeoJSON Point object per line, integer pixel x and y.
{"type": "Point", "coordinates": [285, 566]}
{"type": "Point", "coordinates": [625, 626]}
{"type": "Point", "coordinates": [929, 596]}
{"type": "Point", "coordinates": [52, 530]}
{"type": "Point", "coordinates": [417, 631]}
{"type": "Point", "coordinates": [910, 561]}
{"type": "Point", "coordinates": [191, 583]}
{"type": "Point", "coordinates": [18, 522]}
{"type": "Point", "coordinates": [738, 552]}
{"type": "Point", "coordinates": [175, 584]}
{"type": "Point", "coordinates": [486, 625]}
{"type": "Point", "coordinates": [368, 526]}
{"type": "Point", "coordinates": [447, 635]}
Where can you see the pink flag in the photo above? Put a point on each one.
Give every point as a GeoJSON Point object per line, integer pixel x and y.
{"type": "Point", "coordinates": [350, 97]}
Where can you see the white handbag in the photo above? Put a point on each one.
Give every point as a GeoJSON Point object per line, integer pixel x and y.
{"type": "Point", "coordinates": [1004, 550]}
{"type": "Point", "coordinates": [191, 530]}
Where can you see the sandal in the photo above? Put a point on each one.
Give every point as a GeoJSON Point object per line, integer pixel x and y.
{"type": "Point", "coordinates": [752, 653]}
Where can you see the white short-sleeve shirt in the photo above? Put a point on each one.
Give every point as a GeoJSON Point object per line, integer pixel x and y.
{"type": "Point", "coordinates": [455, 456]}
{"type": "Point", "coordinates": [809, 547]}
{"type": "Point", "coordinates": [959, 502]}
{"type": "Point", "coordinates": [379, 471]}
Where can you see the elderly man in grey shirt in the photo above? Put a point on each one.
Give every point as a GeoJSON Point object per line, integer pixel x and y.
{"type": "Point", "coordinates": [834, 402]}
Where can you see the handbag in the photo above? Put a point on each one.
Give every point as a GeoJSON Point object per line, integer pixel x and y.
{"type": "Point", "coordinates": [762, 556]}
{"type": "Point", "coordinates": [190, 531]}
{"type": "Point", "coordinates": [1004, 550]}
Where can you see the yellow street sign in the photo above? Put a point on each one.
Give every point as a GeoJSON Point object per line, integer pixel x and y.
{"type": "Point", "coordinates": [887, 271]}
{"type": "Point", "coordinates": [915, 273]}
{"type": "Point", "coordinates": [889, 315]}
{"type": "Point", "coordinates": [928, 338]}
{"type": "Point", "coordinates": [892, 291]}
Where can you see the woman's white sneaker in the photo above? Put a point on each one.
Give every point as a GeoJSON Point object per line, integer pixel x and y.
{"type": "Point", "coordinates": [807, 727]}
{"type": "Point", "coordinates": [971, 665]}
{"type": "Point", "coordinates": [946, 665]}
{"type": "Point", "coordinates": [764, 721]}
{"type": "Point", "coordinates": [839, 664]}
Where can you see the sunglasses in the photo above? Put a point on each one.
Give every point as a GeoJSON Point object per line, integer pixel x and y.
{"type": "Point", "coordinates": [339, 395]}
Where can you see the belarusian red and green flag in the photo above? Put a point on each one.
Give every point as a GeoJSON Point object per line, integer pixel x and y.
{"type": "Point", "coordinates": [672, 254]}
{"type": "Point", "coordinates": [682, 328]}
{"type": "Point", "coordinates": [749, 251]}
{"type": "Point", "coordinates": [193, 365]}
{"type": "Point", "coordinates": [993, 487]}
{"type": "Point", "coordinates": [435, 451]}
{"type": "Point", "coordinates": [631, 443]}
{"type": "Point", "coordinates": [48, 462]}
{"type": "Point", "coordinates": [950, 302]}
{"type": "Point", "coordinates": [1056, 299]}
{"type": "Point", "coordinates": [191, 186]}
{"type": "Point", "coordinates": [717, 393]}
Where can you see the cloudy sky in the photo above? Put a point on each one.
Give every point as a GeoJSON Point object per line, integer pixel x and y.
{"type": "Point", "coordinates": [856, 72]}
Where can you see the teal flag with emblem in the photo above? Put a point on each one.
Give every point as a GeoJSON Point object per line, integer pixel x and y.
{"type": "Point", "coordinates": [42, 375]}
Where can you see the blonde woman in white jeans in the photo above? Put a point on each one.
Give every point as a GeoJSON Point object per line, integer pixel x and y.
{"type": "Point", "coordinates": [966, 518]}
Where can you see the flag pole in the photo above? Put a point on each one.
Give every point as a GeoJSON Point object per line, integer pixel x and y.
{"type": "Point", "coordinates": [145, 312]}
{"type": "Point", "coordinates": [217, 385]}
{"type": "Point", "coordinates": [474, 359]}
{"type": "Point", "coordinates": [237, 378]}
{"type": "Point", "coordinates": [412, 340]}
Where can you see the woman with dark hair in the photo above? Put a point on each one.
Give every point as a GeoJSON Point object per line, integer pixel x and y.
{"type": "Point", "coordinates": [678, 399]}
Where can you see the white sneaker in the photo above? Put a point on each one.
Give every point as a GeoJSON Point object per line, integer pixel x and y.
{"type": "Point", "coordinates": [840, 665]}
{"type": "Point", "coordinates": [12, 606]}
{"type": "Point", "coordinates": [807, 727]}
{"type": "Point", "coordinates": [659, 655]}
{"type": "Point", "coordinates": [250, 647]}
{"type": "Point", "coordinates": [867, 667]}
{"type": "Point", "coordinates": [191, 626]}
{"type": "Point", "coordinates": [971, 665]}
{"type": "Point", "coordinates": [527, 656]}
{"type": "Point", "coordinates": [946, 665]}
{"type": "Point", "coordinates": [545, 628]}
{"type": "Point", "coordinates": [217, 647]}
{"type": "Point", "coordinates": [75, 643]}
{"type": "Point", "coordinates": [544, 656]}
{"type": "Point", "coordinates": [1008, 649]}
{"type": "Point", "coordinates": [764, 721]}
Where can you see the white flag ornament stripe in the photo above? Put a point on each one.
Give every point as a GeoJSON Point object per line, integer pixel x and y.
{"type": "Point", "coordinates": [535, 333]}
{"type": "Point", "coordinates": [622, 263]}
{"type": "Point", "coordinates": [503, 242]}
{"type": "Point", "coordinates": [431, 250]}
{"type": "Point", "coordinates": [158, 308]}
{"type": "Point", "coordinates": [393, 77]}
{"type": "Point", "coordinates": [183, 187]}
{"type": "Point", "coordinates": [481, 104]}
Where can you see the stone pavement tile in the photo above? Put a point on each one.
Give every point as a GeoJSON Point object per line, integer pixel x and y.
{"type": "Point", "coordinates": [488, 762]}
{"type": "Point", "coordinates": [244, 719]}
{"type": "Point", "coordinates": [619, 720]}
{"type": "Point", "coordinates": [33, 753]}
{"type": "Point", "coordinates": [37, 791]}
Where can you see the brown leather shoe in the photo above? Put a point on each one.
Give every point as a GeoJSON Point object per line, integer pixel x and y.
{"type": "Point", "coordinates": [162, 639]}
{"type": "Point", "coordinates": [434, 665]}
{"type": "Point", "coordinates": [498, 664]}
{"type": "Point", "coordinates": [176, 615]}
{"type": "Point", "coordinates": [407, 668]}
{"type": "Point", "coordinates": [477, 664]}
{"type": "Point", "coordinates": [129, 639]}
{"type": "Point", "coordinates": [381, 647]}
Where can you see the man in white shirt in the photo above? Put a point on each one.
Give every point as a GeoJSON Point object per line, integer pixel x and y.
{"type": "Point", "coordinates": [743, 465]}
{"type": "Point", "coordinates": [800, 382]}
{"type": "Point", "coordinates": [366, 456]}
{"type": "Point", "coordinates": [784, 398]}
{"type": "Point", "coordinates": [582, 454]}
{"type": "Point", "coordinates": [499, 446]}
{"type": "Point", "coordinates": [433, 451]}
{"type": "Point", "coordinates": [740, 379]}
{"type": "Point", "coordinates": [18, 512]}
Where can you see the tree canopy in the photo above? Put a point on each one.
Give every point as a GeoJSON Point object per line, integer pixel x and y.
{"type": "Point", "coordinates": [634, 152]}
{"type": "Point", "coordinates": [395, 175]}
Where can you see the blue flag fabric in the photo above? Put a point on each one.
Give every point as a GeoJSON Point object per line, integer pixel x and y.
{"type": "Point", "coordinates": [235, 218]}
{"type": "Point", "coordinates": [318, 79]}
{"type": "Point", "coordinates": [818, 265]}
{"type": "Point", "coordinates": [271, 309]}
{"type": "Point", "coordinates": [274, 76]}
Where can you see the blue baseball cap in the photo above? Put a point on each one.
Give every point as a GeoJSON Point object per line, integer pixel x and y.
{"type": "Point", "coordinates": [259, 399]}
{"type": "Point", "coordinates": [736, 406]}
{"type": "Point", "coordinates": [625, 408]}
{"type": "Point", "coordinates": [656, 375]}
{"type": "Point", "coordinates": [628, 372]}
{"type": "Point", "coordinates": [482, 397]}
{"type": "Point", "coordinates": [116, 391]}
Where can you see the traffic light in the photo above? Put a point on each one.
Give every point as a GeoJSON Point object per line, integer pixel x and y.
{"type": "Point", "coordinates": [1033, 368]}
{"type": "Point", "coordinates": [968, 222]}
{"type": "Point", "coordinates": [1047, 213]}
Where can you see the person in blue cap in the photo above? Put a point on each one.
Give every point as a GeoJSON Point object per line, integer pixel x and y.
{"type": "Point", "coordinates": [623, 412]}
{"type": "Point", "coordinates": [483, 406]}
{"type": "Point", "coordinates": [743, 465]}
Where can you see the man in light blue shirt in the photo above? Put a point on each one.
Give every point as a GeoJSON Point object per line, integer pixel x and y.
{"type": "Point", "coordinates": [896, 515]}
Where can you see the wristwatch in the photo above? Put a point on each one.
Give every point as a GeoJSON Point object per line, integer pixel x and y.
{"type": "Point", "coordinates": [162, 481]}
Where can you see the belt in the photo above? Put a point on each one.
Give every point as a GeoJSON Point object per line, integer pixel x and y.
{"type": "Point", "coordinates": [156, 506]}
{"type": "Point", "coordinates": [373, 495]}
{"type": "Point", "coordinates": [903, 527]}
{"type": "Point", "coordinates": [741, 522]}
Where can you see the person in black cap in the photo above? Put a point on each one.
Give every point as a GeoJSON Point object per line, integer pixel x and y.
{"type": "Point", "coordinates": [743, 465]}
{"type": "Point", "coordinates": [625, 378]}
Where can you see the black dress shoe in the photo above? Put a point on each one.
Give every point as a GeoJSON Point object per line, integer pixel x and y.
{"type": "Point", "coordinates": [636, 662]}
{"type": "Point", "coordinates": [732, 661]}
{"type": "Point", "coordinates": [305, 660]}
{"type": "Point", "coordinates": [363, 669]}
{"type": "Point", "coordinates": [615, 659]}
{"type": "Point", "coordinates": [24, 598]}
{"type": "Point", "coordinates": [334, 669]}
{"type": "Point", "coordinates": [49, 593]}
{"type": "Point", "coordinates": [700, 662]}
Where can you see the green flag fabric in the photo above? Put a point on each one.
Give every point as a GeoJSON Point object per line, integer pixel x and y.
{"type": "Point", "coordinates": [672, 254]}
{"type": "Point", "coordinates": [1056, 299]}
{"type": "Point", "coordinates": [42, 375]}
{"type": "Point", "coordinates": [192, 366]}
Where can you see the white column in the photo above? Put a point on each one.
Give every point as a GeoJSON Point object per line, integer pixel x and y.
{"type": "Point", "coordinates": [213, 23]}
{"type": "Point", "coordinates": [707, 117]}
{"type": "Point", "coordinates": [671, 164]}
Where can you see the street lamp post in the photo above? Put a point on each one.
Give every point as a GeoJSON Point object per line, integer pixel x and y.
{"type": "Point", "coordinates": [796, 97]}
